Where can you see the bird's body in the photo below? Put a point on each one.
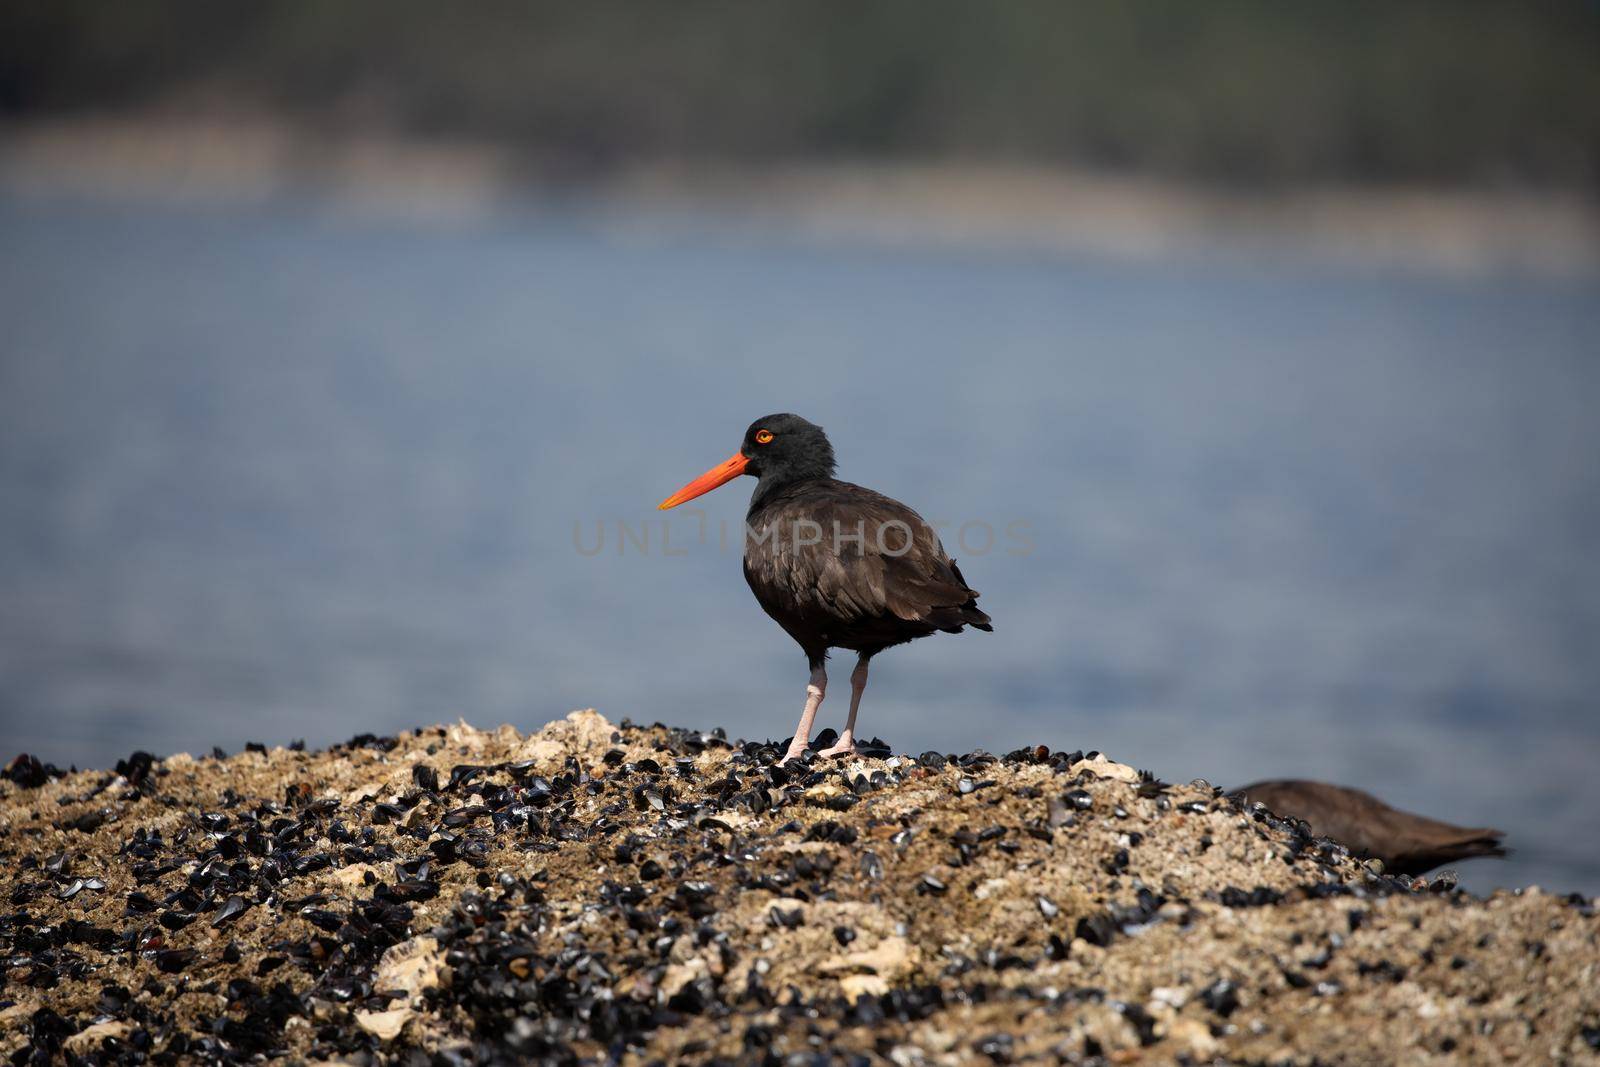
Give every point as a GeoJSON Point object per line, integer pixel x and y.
{"type": "Point", "coordinates": [876, 576]}
{"type": "Point", "coordinates": [1406, 843]}
{"type": "Point", "coordinates": [836, 565]}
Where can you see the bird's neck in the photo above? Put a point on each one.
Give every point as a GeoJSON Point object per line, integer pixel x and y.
{"type": "Point", "coordinates": [771, 484]}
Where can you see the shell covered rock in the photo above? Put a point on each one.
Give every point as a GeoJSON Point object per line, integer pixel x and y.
{"type": "Point", "coordinates": [599, 892]}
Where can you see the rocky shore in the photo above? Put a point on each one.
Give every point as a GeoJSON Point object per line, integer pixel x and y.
{"type": "Point", "coordinates": [600, 892]}
{"type": "Point", "coordinates": [972, 206]}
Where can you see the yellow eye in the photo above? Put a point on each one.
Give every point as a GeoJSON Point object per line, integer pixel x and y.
{"type": "Point", "coordinates": [763, 437]}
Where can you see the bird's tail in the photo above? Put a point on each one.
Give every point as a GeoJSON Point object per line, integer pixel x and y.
{"type": "Point", "coordinates": [971, 614]}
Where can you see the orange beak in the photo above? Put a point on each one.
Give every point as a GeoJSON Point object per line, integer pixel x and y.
{"type": "Point", "coordinates": [726, 471]}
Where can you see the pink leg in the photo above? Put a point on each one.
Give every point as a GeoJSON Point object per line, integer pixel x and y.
{"type": "Point", "coordinates": [802, 733]}
{"type": "Point", "coordinates": [847, 740]}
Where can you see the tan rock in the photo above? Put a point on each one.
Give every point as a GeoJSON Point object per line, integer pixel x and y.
{"type": "Point", "coordinates": [584, 734]}
{"type": "Point", "coordinates": [683, 950]}
{"type": "Point", "coordinates": [1192, 1036]}
{"type": "Point", "coordinates": [353, 876]}
{"type": "Point", "coordinates": [806, 848]}
{"type": "Point", "coordinates": [989, 887]}
{"type": "Point", "coordinates": [680, 975]}
{"type": "Point", "coordinates": [737, 820]}
{"type": "Point", "coordinates": [1173, 996]}
{"type": "Point", "coordinates": [1101, 767]}
{"type": "Point", "coordinates": [88, 1039]}
{"type": "Point", "coordinates": [466, 738]}
{"type": "Point", "coordinates": [384, 1025]}
{"type": "Point", "coordinates": [17, 1012]}
{"type": "Point", "coordinates": [889, 958]}
{"type": "Point", "coordinates": [855, 986]}
{"type": "Point", "coordinates": [637, 986]}
{"type": "Point", "coordinates": [365, 791]}
{"type": "Point", "coordinates": [545, 754]}
{"type": "Point", "coordinates": [1108, 1027]}
{"type": "Point", "coordinates": [411, 967]}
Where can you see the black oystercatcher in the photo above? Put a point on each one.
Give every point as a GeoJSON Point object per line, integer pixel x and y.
{"type": "Point", "coordinates": [1406, 843]}
{"type": "Point", "coordinates": [837, 566]}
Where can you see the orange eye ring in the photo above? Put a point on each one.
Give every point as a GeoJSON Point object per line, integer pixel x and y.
{"type": "Point", "coordinates": [763, 437]}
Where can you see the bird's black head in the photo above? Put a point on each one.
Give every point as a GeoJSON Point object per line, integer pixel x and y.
{"type": "Point", "coordinates": [778, 449]}
{"type": "Point", "coordinates": [786, 448]}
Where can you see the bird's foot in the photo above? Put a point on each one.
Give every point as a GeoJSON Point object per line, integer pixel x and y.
{"type": "Point", "coordinates": [845, 746]}
{"type": "Point", "coordinates": [796, 753]}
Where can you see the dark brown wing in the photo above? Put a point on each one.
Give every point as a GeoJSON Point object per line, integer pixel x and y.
{"type": "Point", "coordinates": [1406, 843]}
{"type": "Point", "coordinates": [842, 566]}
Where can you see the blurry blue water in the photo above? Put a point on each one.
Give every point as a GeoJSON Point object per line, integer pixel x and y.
{"type": "Point", "coordinates": [268, 474]}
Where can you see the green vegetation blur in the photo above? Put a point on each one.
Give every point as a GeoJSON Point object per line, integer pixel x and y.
{"type": "Point", "coordinates": [1461, 93]}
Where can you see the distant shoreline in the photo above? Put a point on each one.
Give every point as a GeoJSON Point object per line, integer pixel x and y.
{"type": "Point", "coordinates": [226, 162]}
